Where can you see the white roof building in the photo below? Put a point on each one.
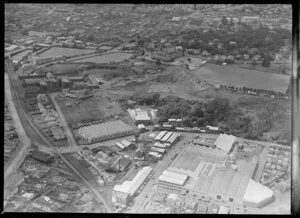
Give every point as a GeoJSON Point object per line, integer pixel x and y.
{"type": "Point", "coordinates": [160, 135]}
{"type": "Point", "coordinates": [166, 137]}
{"type": "Point", "coordinates": [130, 187]}
{"type": "Point", "coordinates": [141, 126]}
{"type": "Point", "coordinates": [172, 177]}
{"type": "Point", "coordinates": [225, 142]}
{"type": "Point", "coordinates": [173, 138]}
{"type": "Point", "coordinates": [111, 128]}
{"type": "Point", "coordinates": [126, 143]}
{"type": "Point", "coordinates": [154, 154]}
{"type": "Point", "coordinates": [120, 145]}
{"type": "Point", "coordinates": [160, 150]}
{"type": "Point", "coordinates": [139, 115]}
{"type": "Point", "coordinates": [159, 145]}
{"type": "Point", "coordinates": [212, 128]}
{"type": "Point", "coordinates": [257, 194]}
{"type": "Point", "coordinates": [11, 48]}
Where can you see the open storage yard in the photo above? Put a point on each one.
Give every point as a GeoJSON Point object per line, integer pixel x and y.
{"type": "Point", "coordinates": [56, 51]}
{"type": "Point", "coordinates": [234, 76]}
{"type": "Point", "coordinates": [107, 58]}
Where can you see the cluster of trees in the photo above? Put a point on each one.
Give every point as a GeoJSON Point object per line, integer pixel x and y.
{"type": "Point", "coordinates": [215, 112]}
{"type": "Point", "coordinates": [262, 40]}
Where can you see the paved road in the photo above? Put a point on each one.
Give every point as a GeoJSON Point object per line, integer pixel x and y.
{"type": "Point", "coordinates": [73, 144]}
{"type": "Point", "coordinates": [14, 163]}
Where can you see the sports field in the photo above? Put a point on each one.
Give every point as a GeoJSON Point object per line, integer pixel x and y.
{"type": "Point", "coordinates": [234, 76]}
{"type": "Point", "coordinates": [107, 58]}
{"type": "Point", "coordinates": [56, 51]}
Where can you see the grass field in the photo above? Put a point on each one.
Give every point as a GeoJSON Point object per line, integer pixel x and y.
{"type": "Point", "coordinates": [55, 51]}
{"type": "Point", "coordinates": [90, 109]}
{"type": "Point", "coordinates": [113, 57]}
{"type": "Point", "coordinates": [234, 76]}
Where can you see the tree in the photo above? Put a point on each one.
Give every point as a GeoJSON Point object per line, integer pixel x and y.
{"type": "Point", "coordinates": [217, 109]}
{"type": "Point", "coordinates": [266, 63]}
{"type": "Point", "coordinates": [91, 38]}
{"type": "Point", "coordinates": [224, 21]}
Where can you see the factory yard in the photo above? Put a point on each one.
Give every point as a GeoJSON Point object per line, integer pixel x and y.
{"type": "Point", "coordinates": [106, 58]}
{"type": "Point", "coordinates": [56, 51]}
{"type": "Point", "coordinates": [144, 202]}
{"type": "Point", "coordinates": [235, 76]}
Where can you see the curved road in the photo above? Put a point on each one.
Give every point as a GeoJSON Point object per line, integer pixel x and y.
{"type": "Point", "coordinates": [25, 141]}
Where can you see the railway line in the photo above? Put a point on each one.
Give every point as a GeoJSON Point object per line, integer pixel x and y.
{"type": "Point", "coordinates": [27, 121]}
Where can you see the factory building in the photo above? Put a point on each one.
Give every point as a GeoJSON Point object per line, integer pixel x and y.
{"type": "Point", "coordinates": [173, 138]}
{"type": "Point", "coordinates": [166, 137]}
{"type": "Point", "coordinates": [159, 145]}
{"type": "Point", "coordinates": [257, 195]}
{"type": "Point", "coordinates": [121, 165]}
{"type": "Point", "coordinates": [172, 182]}
{"type": "Point", "coordinates": [158, 150]}
{"type": "Point", "coordinates": [155, 155]}
{"type": "Point", "coordinates": [160, 135]}
{"type": "Point", "coordinates": [105, 131]}
{"type": "Point", "coordinates": [140, 116]}
{"type": "Point", "coordinates": [200, 171]}
{"type": "Point", "coordinates": [125, 144]}
{"type": "Point", "coordinates": [44, 60]}
{"type": "Point", "coordinates": [225, 142]}
{"type": "Point", "coordinates": [123, 192]}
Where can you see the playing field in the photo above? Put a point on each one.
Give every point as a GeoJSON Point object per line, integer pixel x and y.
{"type": "Point", "coordinates": [234, 76]}
{"type": "Point", "coordinates": [56, 51]}
{"type": "Point", "coordinates": [107, 58]}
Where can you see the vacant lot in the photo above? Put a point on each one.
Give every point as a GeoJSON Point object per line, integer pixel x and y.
{"type": "Point", "coordinates": [55, 51]}
{"type": "Point", "coordinates": [113, 57]}
{"type": "Point", "coordinates": [94, 108]}
{"type": "Point", "coordinates": [234, 76]}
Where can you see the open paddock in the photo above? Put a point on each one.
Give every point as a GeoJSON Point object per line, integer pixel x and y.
{"type": "Point", "coordinates": [56, 51]}
{"type": "Point", "coordinates": [235, 76]}
{"type": "Point", "coordinates": [107, 58]}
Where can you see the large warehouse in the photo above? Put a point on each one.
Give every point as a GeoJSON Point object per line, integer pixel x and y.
{"type": "Point", "coordinates": [105, 131]}
{"type": "Point", "coordinates": [122, 193]}
{"type": "Point", "coordinates": [200, 171]}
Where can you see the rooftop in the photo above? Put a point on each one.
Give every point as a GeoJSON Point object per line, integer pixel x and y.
{"type": "Point", "coordinates": [173, 177]}
{"type": "Point", "coordinates": [131, 187]}
{"type": "Point", "coordinates": [104, 129]}
{"type": "Point", "coordinates": [257, 193]}
{"type": "Point", "coordinates": [225, 142]}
